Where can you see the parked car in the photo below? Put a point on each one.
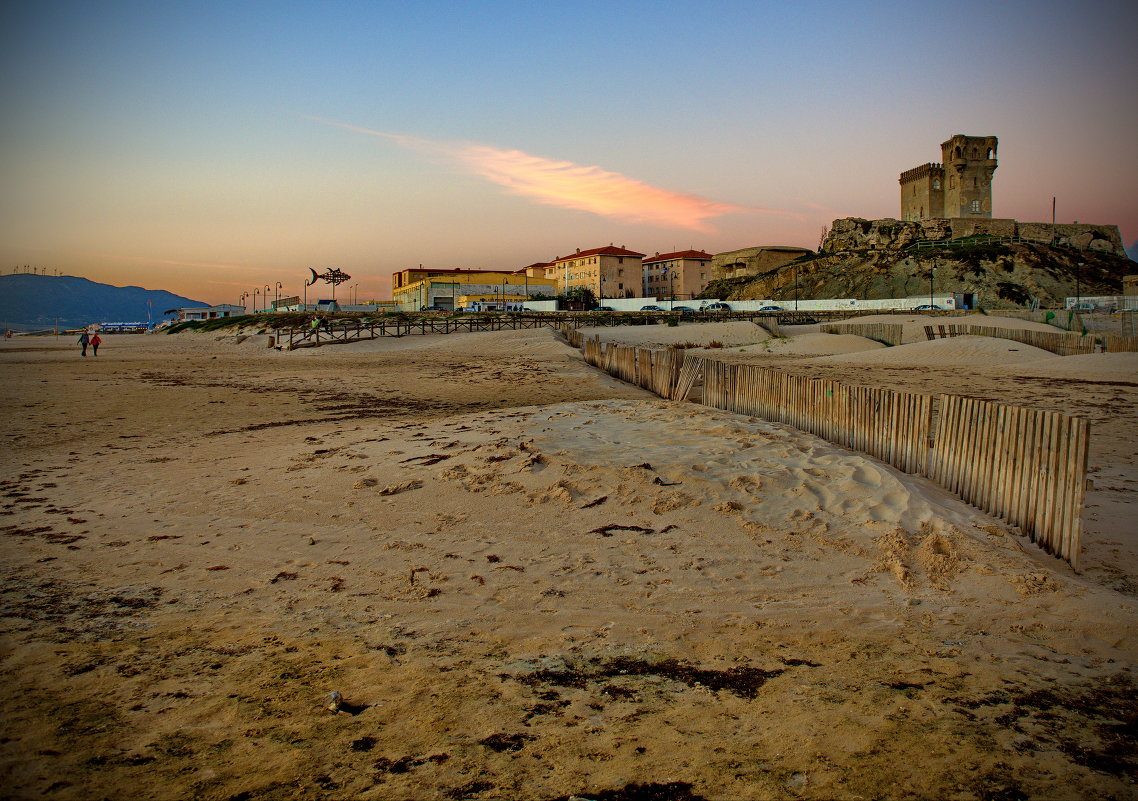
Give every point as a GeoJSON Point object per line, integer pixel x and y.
{"type": "Point", "coordinates": [772, 308]}
{"type": "Point", "coordinates": [928, 307]}
{"type": "Point", "coordinates": [432, 308]}
{"type": "Point", "coordinates": [717, 307]}
{"type": "Point", "coordinates": [683, 308]}
{"type": "Point", "coordinates": [604, 308]}
{"type": "Point", "coordinates": [651, 307]}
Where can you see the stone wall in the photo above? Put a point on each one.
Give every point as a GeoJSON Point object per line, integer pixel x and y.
{"type": "Point", "coordinates": [854, 233]}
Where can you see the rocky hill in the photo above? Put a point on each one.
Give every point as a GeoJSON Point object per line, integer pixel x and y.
{"type": "Point", "coordinates": [891, 258]}
{"type": "Point", "coordinates": [28, 302]}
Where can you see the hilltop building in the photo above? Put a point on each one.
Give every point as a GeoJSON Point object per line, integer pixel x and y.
{"type": "Point", "coordinates": [610, 272]}
{"type": "Point", "coordinates": [959, 186]}
{"type": "Point", "coordinates": [682, 274]}
{"type": "Point", "coordinates": [748, 262]}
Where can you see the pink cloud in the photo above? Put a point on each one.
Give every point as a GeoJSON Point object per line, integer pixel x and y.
{"type": "Point", "coordinates": [571, 186]}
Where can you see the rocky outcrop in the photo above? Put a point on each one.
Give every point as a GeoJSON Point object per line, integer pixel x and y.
{"type": "Point", "coordinates": [1000, 275]}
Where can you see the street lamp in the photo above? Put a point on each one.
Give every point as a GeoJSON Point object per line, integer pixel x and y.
{"type": "Point", "coordinates": [277, 292]}
{"type": "Point", "coordinates": [267, 288]}
{"type": "Point", "coordinates": [256, 293]}
{"type": "Point", "coordinates": [1078, 284]}
{"type": "Point", "coordinates": [932, 274]}
{"type": "Point", "coordinates": [796, 286]}
{"type": "Point", "coordinates": [241, 302]}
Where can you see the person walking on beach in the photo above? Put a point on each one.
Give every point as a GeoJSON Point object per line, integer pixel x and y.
{"type": "Point", "coordinates": [95, 342]}
{"type": "Point", "coordinates": [84, 340]}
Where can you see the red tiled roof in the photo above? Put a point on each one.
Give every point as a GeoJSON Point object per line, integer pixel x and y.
{"type": "Point", "coordinates": [607, 250]}
{"type": "Point", "coordinates": [680, 254]}
{"type": "Point", "coordinates": [536, 265]}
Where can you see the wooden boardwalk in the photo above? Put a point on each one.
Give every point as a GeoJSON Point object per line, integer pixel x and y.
{"type": "Point", "coordinates": [340, 331]}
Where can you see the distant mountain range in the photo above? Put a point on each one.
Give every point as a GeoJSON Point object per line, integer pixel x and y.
{"type": "Point", "coordinates": [29, 302]}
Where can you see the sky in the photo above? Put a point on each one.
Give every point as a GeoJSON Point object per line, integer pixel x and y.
{"type": "Point", "coordinates": [216, 148]}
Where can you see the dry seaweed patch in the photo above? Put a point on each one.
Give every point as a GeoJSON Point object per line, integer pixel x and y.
{"type": "Point", "coordinates": [744, 682]}
{"type": "Point", "coordinates": [1094, 725]}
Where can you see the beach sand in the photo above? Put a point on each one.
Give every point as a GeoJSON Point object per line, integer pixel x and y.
{"type": "Point", "coordinates": [529, 580]}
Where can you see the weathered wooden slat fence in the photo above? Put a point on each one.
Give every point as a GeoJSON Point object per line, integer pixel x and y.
{"type": "Point", "coordinates": [1116, 343]}
{"type": "Point", "coordinates": [1025, 466]}
{"type": "Point", "coordinates": [888, 333]}
{"type": "Point", "coordinates": [1063, 343]}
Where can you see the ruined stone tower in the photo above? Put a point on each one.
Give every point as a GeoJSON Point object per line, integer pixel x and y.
{"type": "Point", "coordinates": [960, 186]}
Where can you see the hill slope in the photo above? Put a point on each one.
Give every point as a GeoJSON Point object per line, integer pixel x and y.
{"type": "Point", "coordinates": [28, 302]}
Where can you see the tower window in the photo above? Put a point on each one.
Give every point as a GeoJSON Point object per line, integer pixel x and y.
{"type": "Point", "coordinates": [975, 205]}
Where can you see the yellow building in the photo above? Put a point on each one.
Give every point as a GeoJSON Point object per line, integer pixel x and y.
{"type": "Point", "coordinates": [610, 272]}
{"type": "Point", "coordinates": [420, 288]}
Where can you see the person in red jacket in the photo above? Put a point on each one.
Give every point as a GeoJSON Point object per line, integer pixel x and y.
{"type": "Point", "coordinates": [95, 342]}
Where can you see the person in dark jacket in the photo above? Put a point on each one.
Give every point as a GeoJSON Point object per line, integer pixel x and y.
{"type": "Point", "coordinates": [84, 340]}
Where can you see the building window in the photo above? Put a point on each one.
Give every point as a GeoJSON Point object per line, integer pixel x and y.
{"type": "Point", "coordinates": [975, 205]}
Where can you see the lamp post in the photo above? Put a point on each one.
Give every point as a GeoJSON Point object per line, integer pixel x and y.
{"type": "Point", "coordinates": [932, 274]}
{"type": "Point", "coordinates": [796, 286]}
{"type": "Point", "coordinates": [277, 292]}
{"type": "Point", "coordinates": [1078, 284]}
{"type": "Point", "coordinates": [256, 293]}
{"type": "Point", "coordinates": [241, 302]}
{"type": "Point", "coordinates": [266, 296]}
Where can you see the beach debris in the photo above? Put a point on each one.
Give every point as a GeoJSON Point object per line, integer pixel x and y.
{"type": "Point", "coordinates": [661, 482]}
{"type": "Point", "coordinates": [334, 702]}
{"type": "Point", "coordinates": [218, 567]}
{"type": "Point", "coordinates": [428, 459]}
{"type": "Point", "coordinates": [282, 576]}
{"type": "Point", "coordinates": [606, 531]}
{"type": "Point", "coordinates": [505, 742]}
{"type": "Point", "coordinates": [417, 569]}
{"type": "Point", "coordinates": [394, 489]}
{"type": "Point", "coordinates": [595, 502]}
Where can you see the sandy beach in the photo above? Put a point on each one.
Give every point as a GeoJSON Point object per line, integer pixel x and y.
{"type": "Point", "coordinates": [529, 580]}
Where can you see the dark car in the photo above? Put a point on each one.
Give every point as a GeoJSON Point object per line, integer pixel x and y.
{"type": "Point", "coordinates": [928, 307]}
{"type": "Point", "coordinates": [604, 308]}
{"type": "Point", "coordinates": [651, 307]}
{"type": "Point", "coordinates": [717, 307]}
{"type": "Point", "coordinates": [772, 308]}
{"type": "Point", "coordinates": [683, 308]}
{"type": "Point", "coordinates": [432, 308]}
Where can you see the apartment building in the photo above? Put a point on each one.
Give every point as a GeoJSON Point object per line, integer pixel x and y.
{"type": "Point", "coordinates": [681, 275]}
{"type": "Point", "coordinates": [610, 272]}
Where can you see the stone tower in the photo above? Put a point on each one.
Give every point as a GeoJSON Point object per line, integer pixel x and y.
{"type": "Point", "coordinates": [960, 186]}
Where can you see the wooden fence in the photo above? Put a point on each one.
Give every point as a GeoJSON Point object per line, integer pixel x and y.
{"type": "Point", "coordinates": [1063, 343]}
{"type": "Point", "coordinates": [888, 333]}
{"type": "Point", "coordinates": [1024, 466]}
{"type": "Point", "coordinates": [1116, 343]}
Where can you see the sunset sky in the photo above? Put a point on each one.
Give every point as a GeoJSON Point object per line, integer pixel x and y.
{"type": "Point", "coordinates": [210, 148]}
